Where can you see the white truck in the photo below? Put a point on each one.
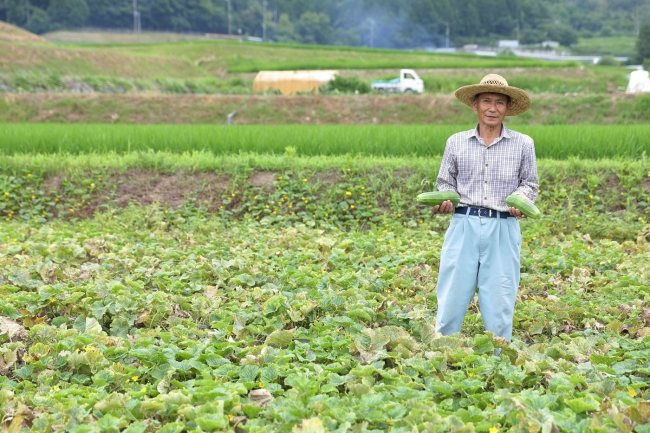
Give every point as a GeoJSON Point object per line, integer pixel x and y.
{"type": "Point", "coordinates": [408, 81]}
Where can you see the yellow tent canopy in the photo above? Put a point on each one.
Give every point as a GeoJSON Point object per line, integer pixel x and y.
{"type": "Point", "coordinates": [291, 82]}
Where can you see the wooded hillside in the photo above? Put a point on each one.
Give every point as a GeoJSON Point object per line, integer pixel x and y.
{"type": "Point", "coordinates": [378, 23]}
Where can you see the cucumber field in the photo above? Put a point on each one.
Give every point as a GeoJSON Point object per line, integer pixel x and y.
{"type": "Point", "coordinates": [196, 291]}
{"type": "Point", "coordinates": [163, 271]}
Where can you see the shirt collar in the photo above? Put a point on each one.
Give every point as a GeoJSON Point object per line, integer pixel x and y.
{"type": "Point", "coordinates": [505, 133]}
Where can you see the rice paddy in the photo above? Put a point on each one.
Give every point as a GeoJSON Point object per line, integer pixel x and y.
{"type": "Point", "coordinates": [551, 141]}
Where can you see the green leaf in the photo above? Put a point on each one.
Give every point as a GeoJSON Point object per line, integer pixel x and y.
{"type": "Point", "coordinates": [312, 425]}
{"type": "Point", "coordinates": [584, 404]}
{"type": "Point", "coordinates": [249, 373]}
{"type": "Point", "coordinates": [281, 338]}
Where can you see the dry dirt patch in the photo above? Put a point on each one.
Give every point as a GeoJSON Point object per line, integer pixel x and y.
{"type": "Point", "coordinates": [147, 187]}
{"type": "Point", "coordinates": [263, 179]}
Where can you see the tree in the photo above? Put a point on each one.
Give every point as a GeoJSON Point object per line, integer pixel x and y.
{"type": "Point", "coordinates": [39, 21]}
{"type": "Point", "coordinates": [562, 33]}
{"type": "Point", "coordinates": [643, 43]}
{"type": "Point", "coordinates": [68, 13]}
{"type": "Point", "coordinates": [314, 28]}
{"type": "Point", "coordinates": [283, 31]}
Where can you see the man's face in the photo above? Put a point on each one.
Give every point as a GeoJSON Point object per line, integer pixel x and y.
{"type": "Point", "coordinates": [491, 108]}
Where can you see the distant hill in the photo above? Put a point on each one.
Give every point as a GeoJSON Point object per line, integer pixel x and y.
{"type": "Point", "coordinates": [12, 33]}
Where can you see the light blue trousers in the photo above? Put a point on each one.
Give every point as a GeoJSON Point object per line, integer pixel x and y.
{"type": "Point", "coordinates": [481, 252]}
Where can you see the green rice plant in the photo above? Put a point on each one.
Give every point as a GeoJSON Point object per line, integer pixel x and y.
{"type": "Point", "coordinates": [197, 88]}
{"type": "Point", "coordinates": [168, 85]}
{"type": "Point", "coordinates": [391, 60]}
{"type": "Point", "coordinates": [30, 81]}
{"type": "Point", "coordinates": [551, 141]}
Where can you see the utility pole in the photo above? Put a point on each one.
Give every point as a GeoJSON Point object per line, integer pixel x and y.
{"type": "Point", "coordinates": [264, 3]}
{"type": "Point", "coordinates": [372, 32]}
{"type": "Point", "coordinates": [136, 18]}
{"type": "Point", "coordinates": [517, 21]}
{"type": "Point", "coordinates": [229, 18]}
{"type": "Point", "coordinates": [447, 35]}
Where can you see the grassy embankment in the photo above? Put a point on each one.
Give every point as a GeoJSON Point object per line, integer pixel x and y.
{"type": "Point", "coordinates": [343, 109]}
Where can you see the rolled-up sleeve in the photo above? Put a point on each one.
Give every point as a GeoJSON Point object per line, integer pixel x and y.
{"type": "Point", "coordinates": [528, 178]}
{"type": "Point", "coordinates": [448, 170]}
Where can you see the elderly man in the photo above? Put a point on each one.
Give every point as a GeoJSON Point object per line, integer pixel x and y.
{"type": "Point", "coordinates": [483, 243]}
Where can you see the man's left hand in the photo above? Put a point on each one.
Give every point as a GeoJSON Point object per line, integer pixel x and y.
{"type": "Point", "coordinates": [516, 212]}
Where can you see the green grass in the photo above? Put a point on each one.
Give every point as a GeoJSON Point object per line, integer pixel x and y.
{"type": "Point", "coordinates": [198, 58]}
{"type": "Point", "coordinates": [556, 142]}
{"type": "Point", "coordinates": [616, 46]}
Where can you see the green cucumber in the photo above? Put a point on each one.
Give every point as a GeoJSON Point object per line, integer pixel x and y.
{"type": "Point", "coordinates": [524, 206]}
{"type": "Point", "coordinates": [436, 198]}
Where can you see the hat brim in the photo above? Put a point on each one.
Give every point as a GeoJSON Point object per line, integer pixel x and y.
{"type": "Point", "coordinates": [519, 100]}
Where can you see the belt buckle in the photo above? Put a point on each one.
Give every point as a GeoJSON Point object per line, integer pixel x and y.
{"type": "Point", "coordinates": [483, 213]}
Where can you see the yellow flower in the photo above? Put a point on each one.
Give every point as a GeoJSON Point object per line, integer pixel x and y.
{"type": "Point", "coordinates": [144, 389]}
{"type": "Point", "coordinates": [591, 196]}
{"type": "Point", "coordinates": [262, 384]}
{"type": "Point", "coordinates": [304, 179]}
{"type": "Point", "coordinates": [602, 262]}
{"type": "Point", "coordinates": [493, 430]}
{"type": "Point", "coordinates": [631, 392]}
{"type": "Point", "coordinates": [71, 210]}
{"type": "Point", "coordinates": [29, 175]}
{"type": "Point", "coordinates": [351, 206]}
{"type": "Point", "coordinates": [534, 237]}
{"type": "Point", "coordinates": [33, 196]}
{"type": "Point", "coordinates": [92, 184]}
{"type": "Point", "coordinates": [134, 378]}
{"type": "Point", "coordinates": [348, 193]}
{"type": "Point", "coordinates": [56, 388]}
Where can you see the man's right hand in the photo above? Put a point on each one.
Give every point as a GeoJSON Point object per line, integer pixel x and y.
{"type": "Point", "coordinates": [445, 207]}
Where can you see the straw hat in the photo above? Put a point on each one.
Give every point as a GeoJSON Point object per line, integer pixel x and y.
{"type": "Point", "coordinates": [493, 83]}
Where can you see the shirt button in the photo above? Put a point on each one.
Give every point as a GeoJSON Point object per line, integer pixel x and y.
{"type": "Point", "coordinates": [486, 165]}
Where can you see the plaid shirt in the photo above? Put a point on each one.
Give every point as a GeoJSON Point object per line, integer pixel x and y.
{"type": "Point", "coordinates": [483, 175]}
